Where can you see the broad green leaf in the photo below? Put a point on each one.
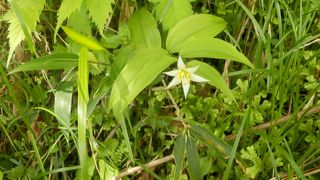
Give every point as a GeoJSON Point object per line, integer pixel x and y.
{"type": "Point", "coordinates": [193, 159]}
{"type": "Point", "coordinates": [85, 41]}
{"type": "Point", "coordinates": [99, 11]}
{"type": "Point", "coordinates": [170, 12]}
{"type": "Point", "coordinates": [196, 26]}
{"type": "Point", "coordinates": [137, 74]}
{"type": "Point", "coordinates": [22, 17]}
{"type": "Point", "coordinates": [179, 154]}
{"type": "Point", "coordinates": [212, 75]}
{"type": "Point", "coordinates": [121, 58]}
{"type": "Point", "coordinates": [66, 9]}
{"type": "Point", "coordinates": [143, 30]}
{"type": "Point", "coordinates": [49, 62]}
{"type": "Point", "coordinates": [210, 140]}
{"type": "Point", "coordinates": [212, 48]}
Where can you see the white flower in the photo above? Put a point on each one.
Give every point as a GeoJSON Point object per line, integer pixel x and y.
{"type": "Point", "coordinates": [184, 75]}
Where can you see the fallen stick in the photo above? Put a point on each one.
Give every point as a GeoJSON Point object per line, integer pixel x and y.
{"type": "Point", "coordinates": [151, 164]}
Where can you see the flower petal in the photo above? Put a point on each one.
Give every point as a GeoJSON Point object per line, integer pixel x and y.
{"type": "Point", "coordinates": [171, 73]}
{"type": "Point", "coordinates": [197, 78]}
{"type": "Point", "coordinates": [191, 70]}
{"type": "Point", "coordinates": [185, 86]}
{"type": "Point", "coordinates": [181, 64]}
{"type": "Point", "coordinates": [174, 82]}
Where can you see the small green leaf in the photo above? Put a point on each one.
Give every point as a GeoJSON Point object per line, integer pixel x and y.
{"type": "Point", "coordinates": [49, 62]}
{"type": "Point", "coordinates": [137, 74]}
{"type": "Point", "coordinates": [170, 12]}
{"type": "Point", "coordinates": [212, 75]}
{"type": "Point", "coordinates": [212, 48]}
{"type": "Point", "coordinates": [193, 159]}
{"type": "Point", "coordinates": [196, 26]}
{"type": "Point", "coordinates": [83, 40]}
{"type": "Point", "coordinates": [179, 154]}
{"type": "Point", "coordinates": [143, 30]}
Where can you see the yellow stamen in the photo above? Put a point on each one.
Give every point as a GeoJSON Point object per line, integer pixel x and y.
{"type": "Point", "coordinates": [184, 74]}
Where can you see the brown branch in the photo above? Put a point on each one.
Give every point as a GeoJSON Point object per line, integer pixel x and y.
{"type": "Point", "coordinates": [275, 122]}
{"type": "Point", "coordinates": [148, 165]}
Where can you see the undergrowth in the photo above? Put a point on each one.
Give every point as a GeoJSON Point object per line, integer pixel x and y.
{"type": "Point", "coordinates": [58, 123]}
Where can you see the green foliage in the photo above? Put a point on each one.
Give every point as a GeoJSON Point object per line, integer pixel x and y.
{"type": "Point", "coordinates": [143, 30]}
{"type": "Point", "coordinates": [179, 154]}
{"type": "Point", "coordinates": [252, 156]}
{"type": "Point", "coordinates": [23, 20]}
{"type": "Point", "coordinates": [170, 12]}
{"type": "Point", "coordinates": [212, 48]}
{"type": "Point", "coordinates": [83, 40]}
{"type": "Point", "coordinates": [140, 71]}
{"type": "Point", "coordinates": [203, 25]}
{"type": "Point", "coordinates": [243, 123]}
{"type": "Point", "coordinates": [49, 62]}
{"type": "Point", "coordinates": [99, 11]}
{"type": "Point", "coordinates": [193, 159]}
{"type": "Point", "coordinates": [66, 9]}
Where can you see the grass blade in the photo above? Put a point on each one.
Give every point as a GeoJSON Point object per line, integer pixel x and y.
{"type": "Point", "coordinates": [83, 97]}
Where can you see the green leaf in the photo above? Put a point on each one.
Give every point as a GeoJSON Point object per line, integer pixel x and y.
{"type": "Point", "coordinates": [49, 62]}
{"type": "Point", "coordinates": [63, 101]}
{"type": "Point", "coordinates": [196, 26]}
{"type": "Point", "coordinates": [179, 154]}
{"type": "Point", "coordinates": [66, 9]}
{"type": "Point", "coordinates": [106, 171]}
{"type": "Point", "coordinates": [212, 75]}
{"type": "Point", "coordinates": [121, 57]}
{"type": "Point", "coordinates": [80, 21]}
{"type": "Point", "coordinates": [137, 74]}
{"type": "Point", "coordinates": [143, 30]}
{"type": "Point", "coordinates": [170, 12]}
{"type": "Point", "coordinates": [210, 140]}
{"type": "Point", "coordinates": [22, 17]}
{"type": "Point", "coordinates": [83, 98]}
{"type": "Point", "coordinates": [99, 11]}
{"type": "Point", "coordinates": [193, 159]}
{"type": "Point", "coordinates": [83, 40]}
{"type": "Point", "coordinates": [99, 92]}
{"type": "Point", "coordinates": [212, 48]}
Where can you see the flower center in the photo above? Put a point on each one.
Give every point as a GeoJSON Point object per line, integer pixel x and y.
{"type": "Point", "coordinates": [183, 74]}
